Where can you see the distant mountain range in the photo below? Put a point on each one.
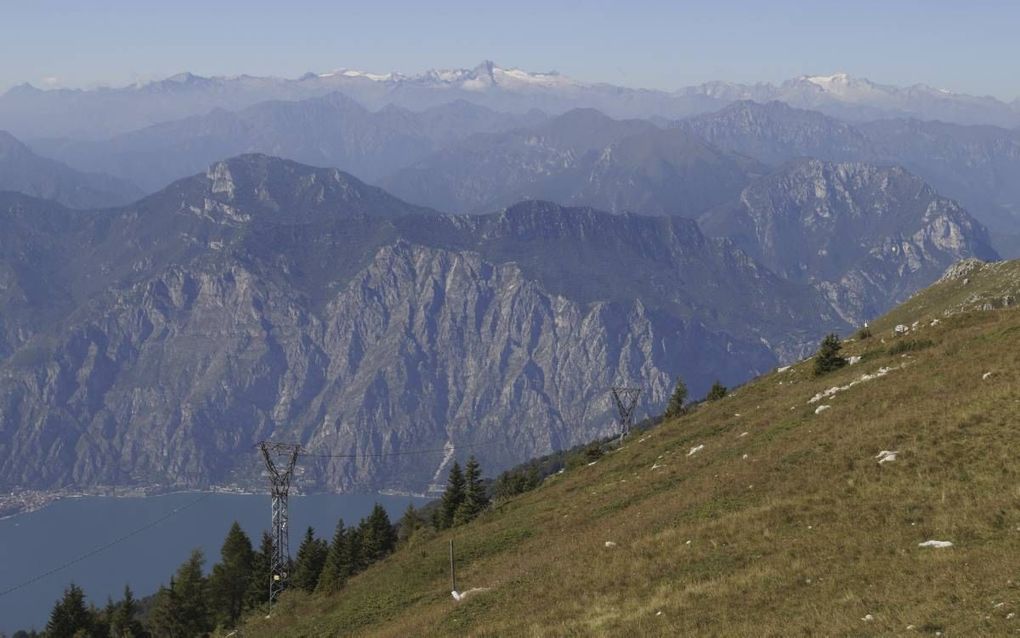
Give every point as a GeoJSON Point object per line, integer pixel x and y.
{"type": "Point", "coordinates": [462, 157]}
{"type": "Point", "coordinates": [23, 171]}
{"type": "Point", "coordinates": [332, 130]}
{"type": "Point", "coordinates": [579, 158]}
{"type": "Point", "coordinates": [977, 165]}
{"type": "Point", "coordinates": [154, 343]}
{"type": "Point", "coordinates": [33, 113]}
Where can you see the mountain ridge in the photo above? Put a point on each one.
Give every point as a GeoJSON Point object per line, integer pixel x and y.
{"type": "Point", "coordinates": [32, 112]}
{"type": "Point", "coordinates": [24, 171]}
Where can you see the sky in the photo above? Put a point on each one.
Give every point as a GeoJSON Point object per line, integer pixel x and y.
{"type": "Point", "coordinates": [967, 47]}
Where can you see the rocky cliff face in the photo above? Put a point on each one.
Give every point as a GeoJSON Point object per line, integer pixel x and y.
{"type": "Point", "coordinates": [264, 299]}
{"type": "Point", "coordinates": [979, 166]}
{"type": "Point", "coordinates": [863, 235]}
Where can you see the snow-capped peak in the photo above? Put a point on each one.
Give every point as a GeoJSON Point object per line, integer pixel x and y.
{"type": "Point", "coordinates": [483, 76]}
{"type": "Point", "coordinates": [828, 81]}
{"type": "Point", "coordinates": [354, 73]}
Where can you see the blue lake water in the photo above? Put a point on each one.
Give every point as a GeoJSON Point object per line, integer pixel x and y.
{"type": "Point", "coordinates": [33, 543]}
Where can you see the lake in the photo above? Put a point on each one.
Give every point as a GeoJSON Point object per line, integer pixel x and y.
{"type": "Point", "coordinates": [33, 543]}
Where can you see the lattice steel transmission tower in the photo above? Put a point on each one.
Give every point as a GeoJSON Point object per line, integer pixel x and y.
{"type": "Point", "coordinates": [626, 401]}
{"type": "Point", "coordinates": [280, 461]}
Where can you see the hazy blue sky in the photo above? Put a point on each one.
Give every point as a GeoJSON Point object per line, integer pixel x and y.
{"type": "Point", "coordinates": [969, 47]}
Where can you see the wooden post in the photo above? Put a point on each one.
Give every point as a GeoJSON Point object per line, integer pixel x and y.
{"type": "Point", "coordinates": [453, 569]}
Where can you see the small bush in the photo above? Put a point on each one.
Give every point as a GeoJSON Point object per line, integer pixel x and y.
{"type": "Point", "coordinates": [828, 358]}
{"type": "Point", "coordinates": [910, 345]}
{"type": "Point", "coordinates": [863, 333]}
{"type": "Point", "coordinates": [516, 481]}
{"type": "Point", "coordinates": [587, 454]}
{"type": "Point", "coordinates": [717, 392]}
{"type": "Point", "coordinates": [593, 452]}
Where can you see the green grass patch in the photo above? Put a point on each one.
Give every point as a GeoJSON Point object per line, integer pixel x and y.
{"type": "Point", "coordinates": [910, 345]}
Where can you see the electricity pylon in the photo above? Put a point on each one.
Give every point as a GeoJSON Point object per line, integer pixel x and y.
{"type": "Point", "coordinates": [280, 461]}
{"type": "Point", "coordinates": [626, 400]}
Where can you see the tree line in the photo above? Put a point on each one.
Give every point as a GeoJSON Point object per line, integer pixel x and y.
{"type": "Point", "coordinates": [194, 603]}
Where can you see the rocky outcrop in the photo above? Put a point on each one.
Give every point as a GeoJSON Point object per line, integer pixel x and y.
{"type": "Point", "coordinates": [863, 235]}
{"type": "Point", "coordinates": [176, 379]}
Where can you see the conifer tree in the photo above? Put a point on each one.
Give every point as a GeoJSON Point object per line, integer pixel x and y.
{"type": "Point", "coordinates": [475, 497]}
{"type": "Point", "coordinates": [378, 538]}
{"type": "Point", "coordinates": [828, 357]}
{"type": "Point", "coordinates": [258, 585]}
{"type": "Point", "coordinates": [230, 579]}
{"type": "Point", "coordinates": [69, 615]}
{"type": "Point", "coordinates": [311, 557]}
{"type": "Point", "coordinates": [103, 620]}
{"type": "Point", "coordinates": [335, 571]}
{"type": "Point", "coordinates": [125, 623]}
{"type": "Point", "coordinates": [409, 523]}
{"type": "Point", "coordinates": [717, 391]}
{"type": "Point", "coordinates": [166, 619]}
{"type": "Point", "coordinates": [676, 405]}
{"type": "Point", "coordinates": [477, 494]}
{"type": "Point", "coordinates": [354, 561]}
{"type": "Point", "coordinates": [192, 591]}
{"type": "Point", "coordinates": [453, 496]}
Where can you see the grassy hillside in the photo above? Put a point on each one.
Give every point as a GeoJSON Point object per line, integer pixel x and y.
{"type": "Point", "coordinates": [784, 523]}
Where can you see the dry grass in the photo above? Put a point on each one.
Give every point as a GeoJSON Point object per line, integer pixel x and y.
{"type": "Point", "coordinates": [807, 535]}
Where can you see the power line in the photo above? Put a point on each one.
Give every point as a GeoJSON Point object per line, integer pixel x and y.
{"type": "Point", "coordinates": [103, 548]}
{"type": "Point", "coordinates": [398, 453]}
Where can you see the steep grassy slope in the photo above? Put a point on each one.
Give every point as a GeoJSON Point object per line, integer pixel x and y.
{"type": "Point", "coordinates": [784, 522]}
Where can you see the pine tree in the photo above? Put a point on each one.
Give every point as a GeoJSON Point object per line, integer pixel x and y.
{"type": "Point", "coordinates": [192, 591]}
{"type": "Point", "coordinates": [378, 538]}
{"type": "Point", "coordinates": [409, 523]}
{"type": "Point", "coordinates": [311, 557]}
{"type": "Point", "coordinates": [355, 560]}
{"type": "Point", "coordinates": [475, 497]}
{"type": "Point", "coordinates": [69, 615]}
{"type": "Point", "coordinates": [125, 623]}
{"type": "Point", "coordinates": [453, 496]}
{"type": "Point", "coordinates": [335, 571]}
{"type": "Point", "coordinates": [166, 617]}
{"type": "Point", "coordinates": [102, 621]}
{"type": "Point", "coordinates": [258, 585]}
{"type": "Point", "coordinates": [230, 579]}
{"type": "Point", "coordinates": [717, 392]}
{"type": "Point", "coordinates": [828, 357]}
{"type": "Point", "coordinates": [676, 402]}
